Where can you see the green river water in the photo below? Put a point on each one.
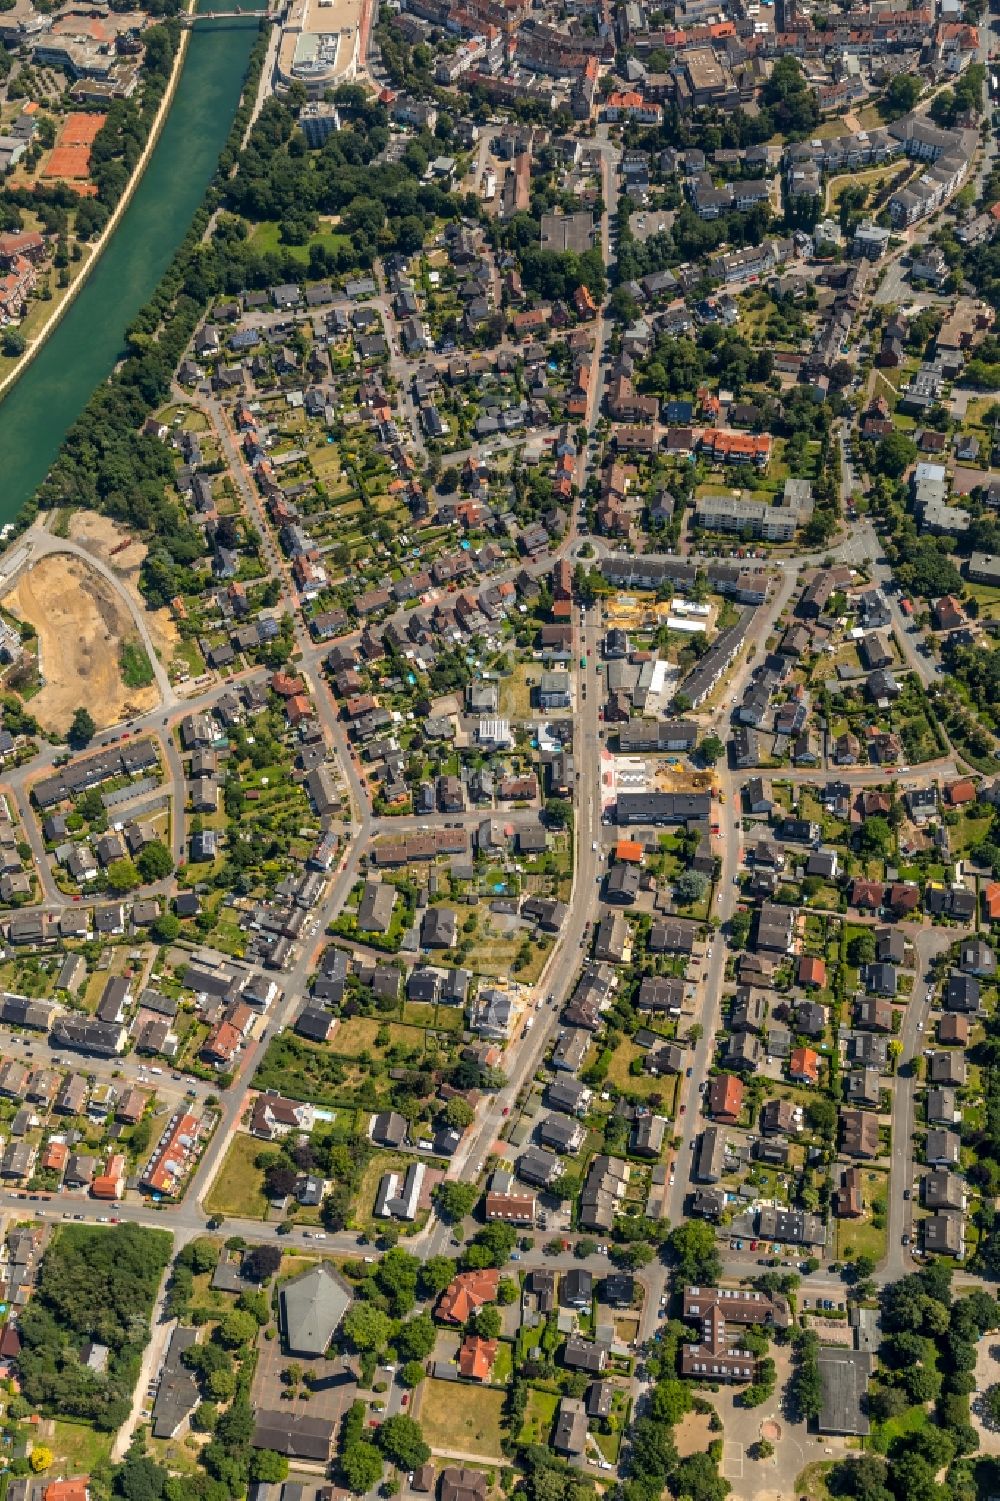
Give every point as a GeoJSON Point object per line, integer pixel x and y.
{"type": "Point", "coordinates": [40, 408]}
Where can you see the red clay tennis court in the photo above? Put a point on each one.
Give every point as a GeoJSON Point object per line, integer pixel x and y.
{"type": "Point", "coordinates": [71, 154]}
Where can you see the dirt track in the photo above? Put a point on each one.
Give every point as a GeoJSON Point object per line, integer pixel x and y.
{"type": "Point", "coordinates": [81, 624]}
{"type": "Point", "coordinates": [101, 536]}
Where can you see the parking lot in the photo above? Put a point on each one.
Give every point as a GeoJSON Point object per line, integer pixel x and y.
{"type": "Point", "coordinates": [332, 1389]}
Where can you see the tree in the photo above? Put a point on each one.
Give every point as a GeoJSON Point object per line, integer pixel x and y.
{"type": "Point", "coordinates": [435, 1274]}
{"type": "Point", "coordinates": [902, 94]}
{"type": "Point", "coordinates": [13, 343]}
{"type": "Point", "coordinates": [763, 1449]}
{"type": "Point", "coordinates": [82, 729]}
{"type": "Point", "coordinates": [237, 1329]}
{"type": "Point", "coordinates": [455, 1200]}
{"type": "Point", "coordinates": [205, 1417]}
{"type": "Point", "coordinates": [459, 1113]}
{"type": "Point", "coordinates": [739, 928]}
{"type": "Point", "coordinates": [123, 876]}
{"type": "Point", "coordinates": [140, 1478]}
{"type": "Point", "coordinates": [689, 887]}
{"type": "Point", "coordinates": [894, 455]}
{"type": "Point", "coordinates": [861, 948]}
{"type": "Point", "coordinates": [41, 1458]}
{"type": "Point", "coordinates": [489, 1322]}
{"type": "Point", "coordinates": [361, 1466]}
{"type": "Point", "coordinates": [166, 927]}
{"type": "Point", "coordinates": [268, 1465]}
{"type": "Point", "coordinates": [367, 1327]}
{"type": "Point", "coordinates": [412, 1373]}
{"type": "Point", "coordinates": [711, 750]}
{"type": "Point", "coordinates": [875, 837]}
{"type": "Point", "coordinates": [822, 1115]}
{"type": "Point", "coordinates": [694, 1249]}
{"type": "Point", "coordinates": [697, 1478]}
{"type": "Point", "coordinates": [396, 1276]}
{"type": "Point", "coordinates": [415, 1340]}
{"type": "Point", "coordinates": [402, 1442]}
{"type": "Point", "coordinates": [260, 1264]}
{"type": "Point", "coordinates": [670, 1400]}
{"type": "Point", "coordinates": [221, 1384]}
{"type": "Point", "coordinates": [154, 862]}
{"type": "Point", "coordinates": [492, 1246]}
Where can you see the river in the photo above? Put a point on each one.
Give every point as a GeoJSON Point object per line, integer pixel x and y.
{"type": "Point", "coordinates": [41, 407]}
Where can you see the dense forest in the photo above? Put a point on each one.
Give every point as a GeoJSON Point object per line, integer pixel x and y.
{"type": "Point", "coordinates": [100, 1285]}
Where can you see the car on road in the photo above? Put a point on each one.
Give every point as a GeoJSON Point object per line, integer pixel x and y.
{"type": "Point", "coordinates": [906, 1193]}
{"type": "Point", "coordinates": [688, 1072]}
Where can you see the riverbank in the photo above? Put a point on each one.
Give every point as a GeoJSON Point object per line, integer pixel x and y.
{"type": "Point", "coordinates": [81, 352]}
{"type": "Point", "coordinates": [62, 307]}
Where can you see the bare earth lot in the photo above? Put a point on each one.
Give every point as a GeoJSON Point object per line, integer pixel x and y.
{"type": "Point", "coordinates": [81, 625]}
{"type": "Point", "coordinates": [100, 535]}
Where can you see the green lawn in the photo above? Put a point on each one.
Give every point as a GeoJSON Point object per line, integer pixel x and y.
{"type": "Point", "coordinates": [239, 1188]}
{"type": "Point", "coordinates": [503, 1366]}
{"type": "Point", "coordinates": [136, 668]}
{"type": "Point", "coordinates": [913, 1420]}
{"type": "Point", "coordinates": [539, 1416]}
{"type": "Point", "coordinates": [78, 1448]}
{"type": "Point", "coordinates": [266, 238]}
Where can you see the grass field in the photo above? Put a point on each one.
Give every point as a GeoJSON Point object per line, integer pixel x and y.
{"type": "Point", "coordinates": [911, 1421]}
{"type": "Point", "coordinates": [79, 1448]}
{"type": "Point", "coordinates": [358, 1035]}
{"type": "Point", "coordinates": [238, 1188]}
{"type": "Point", "coordinates": [861, 1237]}
{"type": "Point", "coordinates": [515, 690]}
{"type": "Point", "coordinates": [267, 239]}
{"type": "Point", "coordinates": [136, 668]}
{"type": "Point", "coordinates": [639, 1084]}
{"type": "Point", "coordinates": [539, 1416]}
{"type": "Point", "coordinates": [461, 1419]}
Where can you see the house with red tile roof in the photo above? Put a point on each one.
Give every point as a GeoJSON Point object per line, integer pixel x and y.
{"type": "Point", "coordinates": [68, 1490]}
{"type": "Point", "coordinates": [903, 896]}
{"type": "Point", "coordinates": [957, 794]}
{"type": "Point", "coordinates": [476, 1357]}
{"type": "Point", "coordinates": [55, 1156]}
{"type": "Point", "coordinates": [867, 893]}
{"type": "Point", "coordinates": [991, 901]}
{"type": "Point", "coordinates": [803, 1066]}
{"type": "Point", "coordinates": [468, 1292]}
{"type": "Point", "coordinates": [812, 971]}
{"type": "Point", "coordinates": [111, 1183]}
{"type": "Point", "coordinates": [725, 1099]}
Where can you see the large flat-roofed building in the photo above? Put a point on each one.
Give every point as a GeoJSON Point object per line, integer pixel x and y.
{"type": "Point", "coordinates": [983, 568]}
{"type": "Point", "coordinates": [706, 75]}
{"type": "Point", "coordinates": [723, 513]}
{"type": "Point", "coordinates": [319, 44]}
{"type": "Point", "coordinates": [843, 1376]}
{"type": "Point", "coordinates": [563, 232]}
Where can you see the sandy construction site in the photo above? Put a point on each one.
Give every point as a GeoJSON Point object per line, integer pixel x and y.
{"type": "Point", "coordinates": [82, 624]}
{"type": "Point", "coordinates": [104, 538]}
